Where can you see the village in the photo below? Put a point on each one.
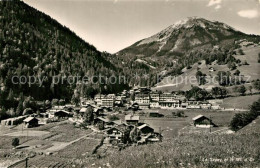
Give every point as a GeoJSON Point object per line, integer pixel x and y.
{"type": "Point", "coordinates": [110, 122]}
{"type": "Point", "coordinates": [104, 113]}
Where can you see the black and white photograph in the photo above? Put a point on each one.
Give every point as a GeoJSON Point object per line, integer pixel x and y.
{"type": "Point", "coordinates": [129, 83]}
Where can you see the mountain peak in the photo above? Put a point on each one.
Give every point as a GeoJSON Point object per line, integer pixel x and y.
{"type": "Point", "coordinates": [185, 35]}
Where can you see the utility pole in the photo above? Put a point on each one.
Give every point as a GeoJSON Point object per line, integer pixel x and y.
{"type": "Point", "coordinates": [210, 123]}
{"type": "Point", "coordinates": [26, 162]}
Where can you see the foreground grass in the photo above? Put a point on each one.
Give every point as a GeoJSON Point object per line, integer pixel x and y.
{"type": "Point", "coordinates": [192, 150]}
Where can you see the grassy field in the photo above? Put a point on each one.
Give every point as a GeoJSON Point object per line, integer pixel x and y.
{"type": "Point", "coordinates": [61, 139]}
{"type": "Point", "coordinates": [80, 149]}
{"type": "Point", "coordinates": [192, 150]}
{"type": "Point", "coordinates": [241, 102]}
{"type": "Point", "coordinates": [171, 126]}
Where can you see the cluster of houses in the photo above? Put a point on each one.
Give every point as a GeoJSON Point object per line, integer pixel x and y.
{"type": "Point", "coordinates": [144, 98]}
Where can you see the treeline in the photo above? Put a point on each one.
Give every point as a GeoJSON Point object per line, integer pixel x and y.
{"type": "Point", "coordinates": [34, 44]}
{"type": "Point", "coordinates": [242, 119]}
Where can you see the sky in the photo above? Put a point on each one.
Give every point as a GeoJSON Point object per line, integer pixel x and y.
{"type": "Point", "coordinates": [112, 25]}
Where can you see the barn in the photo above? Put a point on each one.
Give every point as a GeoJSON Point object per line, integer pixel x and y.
{"type": "Point", "coordinates": [31, 122]}
{"type": "Point", "coordinates": [202, 122]}
{"type": "Point", "coordinates": [131, 119]}
{"type": "Point", "coordinates": [145, 129]}
{"type": "Point", "coordinates": [63, 114]}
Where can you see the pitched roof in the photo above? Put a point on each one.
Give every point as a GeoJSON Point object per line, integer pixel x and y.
{"type": "Point", "coordinates": [119, 122]}
{"type": "Point", "coordinates": [28, 119]}
{"type": "Point", "coordinates": [103, 119]}
{"type": "Point", "coordinates": [83, 110]}
{"type": "Point", "coordinates": [197, 117]}
{"type": "Point", "coordinates": [131, 117]}
{"type": "Point", "coordinates": [144, 125]}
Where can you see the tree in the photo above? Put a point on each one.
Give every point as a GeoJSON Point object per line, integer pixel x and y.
{"type": "Point", "coordinates": [218, 91]}
{"type": "Point", "coordinates": [126, 136]}
{"type": "Point", "coordinates": [15, 142]}
{"type": "Point", "coordinates": [237, 72]}
{"type": "Point", "coordinates": [241, 52]}
{"type": "Point", "coordinates": [55, 102]}
{"type": "Point", "coordinates": [242, 119]}
{"type": "Point", "coordinates": [11, 112]}
{"type": "Point", "coordinates": [76, 98]}
{"type": "Point", "coordinates": [242, 90]}
{"type": "Point", "coordinates": [250, 89]}
{"type": "Point", "coordinates": [223, 78]}
{"type": "Point", "coordinates": [135, 134]}
{"type": "Point", "coordinates": [197, 93]}
{"type": "Point", "coordinates": [113, 117]}
{"type": "Point", "coordinates": [3, 114]}
{"type": "Point", "coordinates": [180, 114]}
{"type": "Point", "coordinates": [88, 115]}
{"type": "Point", "coordinates": [10, 95]}
{"type": "Point", "coordinates": [256, 84]}
{"type": "Point", "coordinates": [201, 78]}
{"type": "Point", "coordinates": [101, 126]}
{"type": "Point", "coordinates": [132, 96]}
{"type": "Point", "coordinates": [27, 111]}
{"type": "Point", "coordinates": [19, 109]}
{"type": "Point", "coordinates": [231, 66]}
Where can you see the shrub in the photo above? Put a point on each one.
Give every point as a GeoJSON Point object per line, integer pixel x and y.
{"type": "Point", "coordinates": [15, 142]}
{"type": "Point", "coordinates": [113, 117]}
{"type": "Point", "coordinates": [241, 52]}
{"type": "Point", "coordinates": [180, 114]}
{"type": "Point", "coordinates": [242, 119]}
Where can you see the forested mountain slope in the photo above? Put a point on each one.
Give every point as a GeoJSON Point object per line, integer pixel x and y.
{"type": "Point", "coordinates": [34, 44]}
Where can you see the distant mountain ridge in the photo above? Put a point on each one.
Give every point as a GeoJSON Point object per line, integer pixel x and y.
{"type": "Point", "coordinates": [181, 45]}
{"type": "Point", "coordinates": [182, 36]}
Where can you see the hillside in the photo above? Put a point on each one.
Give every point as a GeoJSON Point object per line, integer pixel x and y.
{"type": "Point", "coordinates": [249, 72]}
{"type": "Point", "coordinates": [172, 51]}
{"type": "Point", "coordinates": [251, 128]}
{"type": "Point", "coordinates": [34, 44]}
{"type": "Point", "coordinates": [191, 150]}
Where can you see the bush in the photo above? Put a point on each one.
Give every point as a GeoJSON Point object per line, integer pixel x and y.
{"type": "Point", "coordinates": [242, 119]}
{"type": "Point", "coordinates": [15, 142]}
{"type": "Point", "coordinates": [113, 117]}
{"type": "Point", "coordinates": [241, 52]}
{"type": "Point", "coordinates": [180, 114]}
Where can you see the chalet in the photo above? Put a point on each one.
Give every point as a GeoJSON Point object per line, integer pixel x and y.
{"type": "Point", "coordinates": [202, 122]}
{"type": "Point", "coordinates": [115, 134]}
{"type": "Point", "coordinates": [31, 122]}
{"type": "Point", "coordinates": [119, 122]}
{"type": "Point", "coordinates": [131, 119]}
{"type": "Point", "coordinates": [149, 138]}
{"type": "Point", "coordinates": [145, 129]}
{"type": "Point", "coordinates": [105, 121]}
{"type": "Point", "coordinates": [63, 114]}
